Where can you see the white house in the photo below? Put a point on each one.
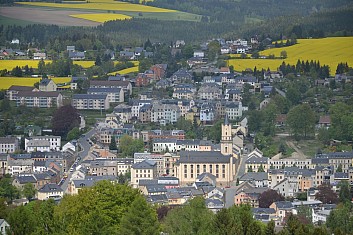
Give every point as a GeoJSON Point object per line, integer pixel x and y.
{"type": "Point", "coordinates": [54, 142]}
{"type": "Point", "coordinates": [163, 145]}
{"type": "Point", "coordinates": [199, 54]}
{"type": "Point", "coordinates": [69, 145]}
{"type": "Point", "coordinates": [3, 224]}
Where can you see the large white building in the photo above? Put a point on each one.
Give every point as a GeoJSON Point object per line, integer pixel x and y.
{"type": "Point", "coordinates": [165, 113]}
{"type": "Point", "coordinates": [54, 142]}
{"type": "Point", "coordinates": [8, 144]}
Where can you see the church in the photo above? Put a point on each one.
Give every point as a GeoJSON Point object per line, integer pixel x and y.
{"type": "Point", "coordinates": [221, 164]}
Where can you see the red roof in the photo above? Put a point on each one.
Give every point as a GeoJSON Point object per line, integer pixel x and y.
{"type": "Point", "coordinates": [325, 119]}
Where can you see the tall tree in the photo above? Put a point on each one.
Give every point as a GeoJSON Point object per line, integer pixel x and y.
{"type": "Point", "coordinates": [28, 191]}
{"type": "Point", "coordinates": [301, 121]}
{"type": "Point", "coordinates": [345, 191]}
{"type": "Point", "coordinates": [64, 119]}
{"type": "Point", "coordinates": [141, 219]}
{"type": "Point", "coordinates": [268, 197]}
{"type": "Point", "coordinates": [326, 195]}
{"type": "Point", "coordinates": [112, 145]}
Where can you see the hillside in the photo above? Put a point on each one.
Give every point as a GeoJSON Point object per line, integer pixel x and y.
{"type": "Point", "coordinates": [329, 51]}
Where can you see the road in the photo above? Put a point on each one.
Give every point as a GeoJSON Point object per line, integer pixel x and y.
{"type": "Point", "coordinates": [85, 147]}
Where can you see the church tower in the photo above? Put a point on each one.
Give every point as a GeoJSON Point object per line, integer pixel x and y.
{"type": "Point", "coordinates": [226, 139]}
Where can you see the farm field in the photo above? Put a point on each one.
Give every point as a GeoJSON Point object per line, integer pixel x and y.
{"type": "Point", "coordinates": [10, 64]}
{"type": "Point", "coordinates": [100, 5]}
{"type": "Point", "coordinates": [6, 82]}
{"type": "Point", "coordinates": [101, 18]}
{"type": "Point", "coordinates": [126, 71]}
{"type": "Point", "coordinates": [329, 51]}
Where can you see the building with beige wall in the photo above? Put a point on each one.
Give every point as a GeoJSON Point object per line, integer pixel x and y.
{"type": "Point", "coordinates": [145, 170]}
{"type": "Point", "coordinates": [50, 191]}
{"type": "Point", "coordinates": [90, 102]}
{"type": "Point", "coordinates": [40, 99]}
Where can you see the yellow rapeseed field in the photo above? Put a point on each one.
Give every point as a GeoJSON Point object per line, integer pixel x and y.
{"type": "Point", "coordinates": [10, 64]}
{"type": "Point", "coordinates": [329, 51]}
{"type": "Point", "coordinates": [101, 18]}
{"type": "Point", "coordinates": [107, 5]}
{"type": "Point", "coordinates": [126, 71]}
{"type": "Point", "coordinates": [6, 82]}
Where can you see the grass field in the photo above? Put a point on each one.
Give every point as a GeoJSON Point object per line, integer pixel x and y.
{"type": "Point", "coordinates": [329, 51]}
{"type": "Point", "coordinates": [6, 82]}
{"type": "Point", "coordinates": [101, 18]}
{"type": "Point", "coordinates": [108, 5]}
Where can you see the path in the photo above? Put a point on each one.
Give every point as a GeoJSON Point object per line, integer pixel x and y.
{"type": "Point", "coordinates": [298, 153]}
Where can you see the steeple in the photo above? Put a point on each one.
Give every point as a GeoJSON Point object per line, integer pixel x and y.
{"type": "Point", "coordinates": [226, 121]}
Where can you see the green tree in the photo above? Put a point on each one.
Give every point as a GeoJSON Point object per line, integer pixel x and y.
{"type": "Point", "coordinates": [339, 168]}
{"type": "Point", "coordinates": [128, 146]}
{"type": "Point", "coordinates": [41, 67]}
{"type": "Point", "coordinates": [7, 190]}
{"type": "Point", "coordinates": [284, 54]}
{"type": "Point", "coordinates": [193, 218]}
{"type": "Point", "coordinates": [345, 191]}
{"type": "Point", "coordinates": [73, 134]}
{"type": "Point", "coordinates": [213, 50]}
{"type": "Point", "coordinates": [140, 219]}
{"type": "Point", "coordinates": [301, 121]}
{"type": "Point", "coordinates": [112, 145]}
{"type": "Point", "coordinates": [28, 191]}
{"type": "Point", "coordinates": [270, 228]}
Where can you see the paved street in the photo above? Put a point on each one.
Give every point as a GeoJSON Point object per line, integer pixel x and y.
{"type": "Point", "coordinates": [85, 147]}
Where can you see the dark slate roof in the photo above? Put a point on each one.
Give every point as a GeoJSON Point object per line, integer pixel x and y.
{"type": "Point", "coordinates": [39, 163]}
{"type": "Point", "coordinates": [318, 160]}
{"type": "Point", "coordinates": [38, 94]}
{"type": "Point", "coordinates": [215, 202]}
{"type": "Point", "coordinates": [103, 89]}
{"type": "Point", "coordinates": [262, 217]}
{"type": "Point", "coordinates": [284, 205]}
{"type": "Point", "coordinates": [20, 88]}
{"type": "Point", "coordinates": [7, 140]}
{"type": "Point", "coordinates": [50, 188]}
{"type": "Point", "coordinates": [254, 176]}
{"type": "Point", "coordinates": [24, 179]}
{"type": "Point", "coordinates": [263, 211]}
{"type": "Point", "coordinates": [146, 164]}
{"type": "Point", "coordinates": [157, 198]}
{"type": "Point", "coordinates": [76, 79]}
{"type": "Point", "coordinates": [335, 155]}
{"type": "Point", "coordinates": [156, 188]}
{"type": "Point", "coordinates": [144, 182]}
{"type": "Point", "coordinates": [341, 175]}
{"type": "Point", "coordinates": [76, 54]}
{"type": "Point", "coordinates": [202, 157]}
{"type": "Point", "coordinates": [89, 96]}
{"type": "Point", "coordinates": [257, 160]}
{"type": "Point", "coordinates": [44, 82]}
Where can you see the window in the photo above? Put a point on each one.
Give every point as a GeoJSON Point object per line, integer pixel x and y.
{"type": "Point", "coordinates": [211, 169]}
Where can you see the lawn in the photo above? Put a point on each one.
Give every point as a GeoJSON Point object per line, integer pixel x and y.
{"type": "Point", "coordinates": [329, 51]}
{"type": "Point", "coordinates": [6, 82]}
{"type": "Point", "coordinates": [107, 5]}
{"type": "Point", "coordinates": [101, 18]}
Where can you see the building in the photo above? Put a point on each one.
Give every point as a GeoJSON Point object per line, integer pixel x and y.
{"type": "Point", "coordinates": [12, 92]}
{"type": "Point", "coordinates": [192, 163]}
{"type": "Point", "coordinates": [76, 55]}
{"type": "Point", "coordinates": [164, 113]}
{"type": "Point", "coordinates": [145, 170]}
{"type": "Point", "coordinates": [47, 85]}
{"type": "Point", "coordinates": [90, 102]}
{"type": "Point", "coordinates": [8, 144]}
{"type": "Point", "coordinates": [39, 99]}
{"type": "Point", "coordinates": [76, 82]}
{"type": "Point", "coordinates": [39, 56]}
{"type": "Point", "coordinates": [4, 226]}
{"type": "Point", "coordinates": [34, 145]}
{"type": "Point", "coordinates": [114, 95]}
{"type": "Point", "coordinates": [209, 91]}
{"type": "Point", "coordinates": [226, 138]}
{"type": "Point", "coordinates": [50, 191]}
{"type": "Point", "coordinates": [54, 142]}
{"type": "Point", "coordinates": [125, 85]}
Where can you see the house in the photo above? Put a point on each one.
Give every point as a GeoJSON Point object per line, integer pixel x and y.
{"type": "Point", "coordinates": [12, 92]}
{"type": "Point", "coordinates": [76, 55]}
{"type": "Point", "coordinates": [183, 94]}
{"type": "Point", "coordinates": [114, 95]}
{"type": "Point", "coordinates": [207, 113]}
{"type": "Point", "coordinates": [163, 84]}
{"type": "Point", "coordinates": [199, 54]}
{"type": "Point", "coordinates": [8, 144]}
{"type": "Point", "coordinates": [259, 179]}
{"type": "Point", "coordinates": [35, 145]}
{"type": "Point", "coordinates": [181, 75]}
{"type": "Point", "coordinates": [195, 61]}
{"type": "Point", "coordinates": [234, 110]}
{"type": "Point", "coordinates": [325, 121]}
{"type": "Point", "coordinates": [144, 170]}
{"type": "Point", "coordinates": [76, 82]}
{"type": "Point", "coordinates": [77, 184]}
{"type": "Point", "coordinates": [159, 71]}
{"type": "Point", "coordinates": [39, 99]}
{"type": "Point", "coordinates": [164, 113]}
{"type": "Point", "coordinates": [142, 80]}
{"type": "Point", "coordinates": [70, 145]}
{"type": "Point", "coordinates": [280, 120]}
{"type": "Point", "coordinates": [39, 56]}
{"type": "Point", "coordinates": [127, 54]}
{"type": "Point", "coordinates": [125, 85]}
{"type": "Point", "coordinates": [4, 226]}
{"type": "Point", "coordinates": [47, 85]}
{"type": "Point", "coordinates": [264, 215]}
{"type": "Point", "coordinates": [54, 142]}
{"type": "Point", "coordinates": [209, 92]}
{"type": "Point", "coordinates": [248, 194]}
{"type": "Point", "coordinates": [17, 166]}
{"type": "Point", "coordinates": [282, 208]}
{"type": "Point", "coordinates": [90, 102]}
{"type": "Point", "coordinates": [50, 191]}
{"type": "Point", "coordinates": [273, 75]}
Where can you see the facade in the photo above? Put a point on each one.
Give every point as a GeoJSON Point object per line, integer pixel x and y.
{"type": "Point", "coordinates": [191, 164]}
{"type": "Point", "coordinates": [4, 226]}
{"type": "Point", "coordinates": [90, 102]}
{"type": "Point", "coordinates": [145, 170]}
{"type": "Point", "coordinates": [39, 99]}
{"type": "Point", "coordinates": [12, 92]}
{"type": "Point", "coordinates": [125, 85]}
{"type": "Point", "coordinates": [54, 142]}
{"type": "Point", "coordinates": [8, 144]}
{"type": "Point", "coordinates": [114, 95]}
{"type": "Point", "coordinates": [50, 191]}
{"type": "Point", "coordinates": [47, 85]}
{"type": "Point", "coordinates": [164, 113]}
{"type": "Point", "coordinates": [34, 145]}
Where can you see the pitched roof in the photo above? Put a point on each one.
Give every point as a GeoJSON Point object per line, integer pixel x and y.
{"type": "Point", "coordinates": [325, 119]}
{"type": "Point", "coordinates": [203, 157]}
{"type": "Point", "coordinates": [20, 88]}
{"type": "Point", "coordinates": [50, 188]}
{"type": "Point", "coordinates": [38, 94]}
{"type": "Point", "coordinates": [254, 176]}
{"type": "Point", "coordinates": [146, 164]}
{"type": "Point", "coordinates": [284, 205]}
{"type": "Point", "coordinates": [89, 96]}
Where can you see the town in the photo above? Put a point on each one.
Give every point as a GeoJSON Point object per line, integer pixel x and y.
{"type": "Point", "coordinates": [195, 132]}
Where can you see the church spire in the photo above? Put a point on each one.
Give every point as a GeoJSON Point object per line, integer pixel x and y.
{"type": "Point", "coordinates": [226, 121]}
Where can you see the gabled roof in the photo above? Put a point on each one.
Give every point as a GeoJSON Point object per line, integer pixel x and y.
{"type": "Point", "coordinates": [263, 210]}
{"type": "Point", "coordinates": [254, 176]}
{"type": "Point", "coordinates": [146, 164]}
{"type": "Point", "coordinates": [284, 205]}
{"type": "Point", "coordinates": [203, 157]}
{"type": "Point", "coordinates": [38, 94]}
{"type": "Point", "coordinates": [44, 82]}
{"type": "Point", "coordinates": [20, 88]}
{"type": "Point", "coordinates": [24, 179]}
{"type": "Point", "coordinates": [50, 188]}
